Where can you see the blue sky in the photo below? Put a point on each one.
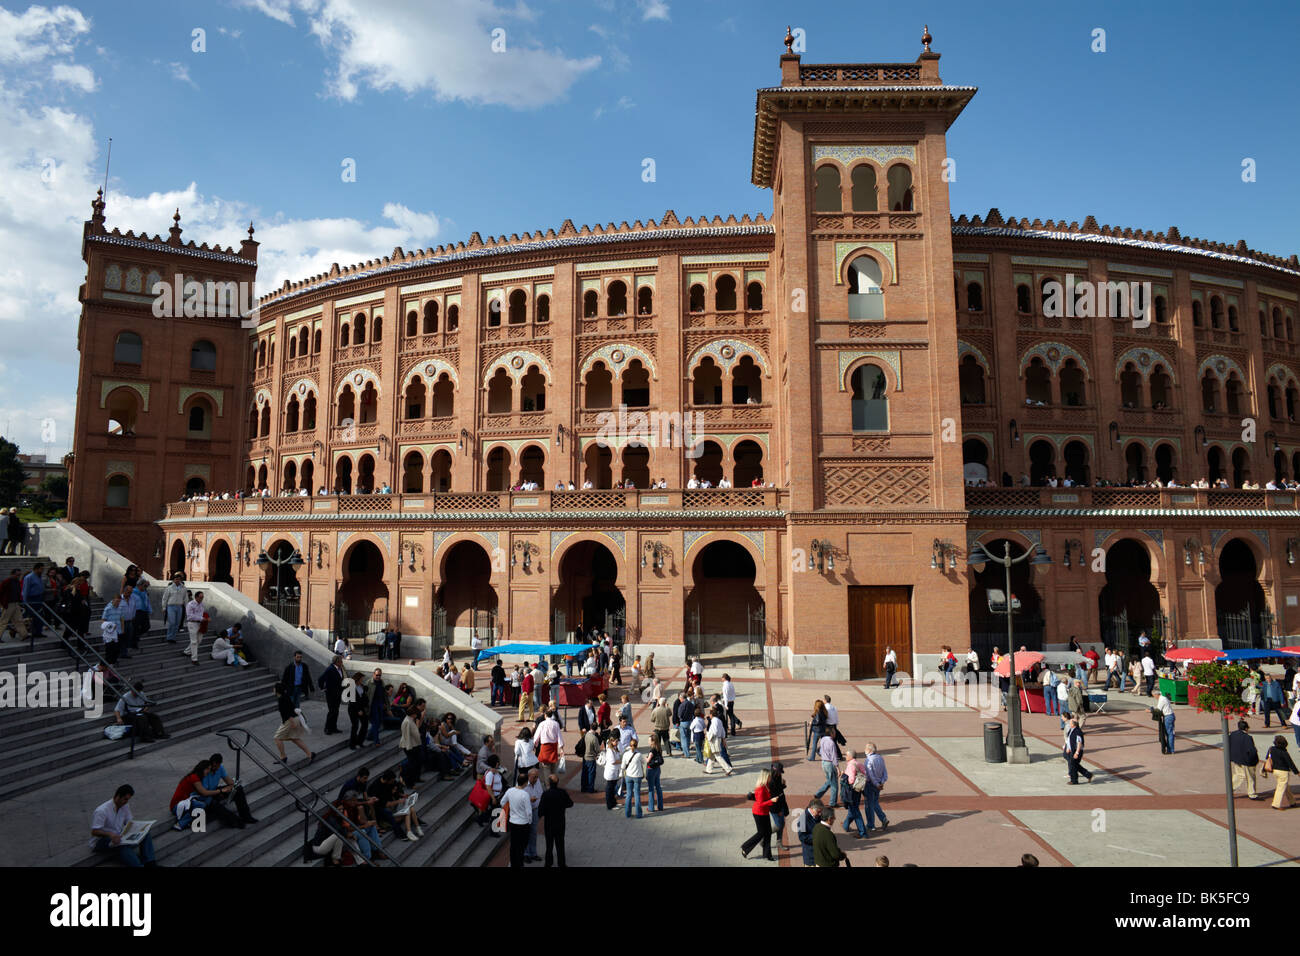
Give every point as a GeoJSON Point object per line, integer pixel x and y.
{"type": "Point", "coordinates": [450, 137]}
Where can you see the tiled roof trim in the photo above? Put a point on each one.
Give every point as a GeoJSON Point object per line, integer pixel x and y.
{"type": "Point", "coordinates": [904, 88]}
{"type": "Point", "coordinates": [500, 516]}
{"type": "Point", "coordinates": [1131, 513]}
{"type": "Point", "coordinates": [165, 247]}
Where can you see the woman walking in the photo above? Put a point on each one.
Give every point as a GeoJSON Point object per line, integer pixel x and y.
{"type": "Point", "coordinates": [653, 769]}
{"type": "Point", "coordinates": [291, 727]}
{"type": "Point", "coordinates": [780, 808]}
{"type": "Point", "coordinates": [818, 722]}
{"type": "Point", "coordinates": [1281, 766]}
{"type": "Point", "coordinates": [763, 803]}
{"type": "Point", "coordinates": [525, 757]}
{"type": "Point", "coordinates": [717, 734]}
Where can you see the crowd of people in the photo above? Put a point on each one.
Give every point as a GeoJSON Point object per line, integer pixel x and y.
{"type": "Point", "coordinates": [1278, 483]}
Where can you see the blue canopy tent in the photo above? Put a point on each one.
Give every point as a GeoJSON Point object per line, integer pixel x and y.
{"type": "Point", "coordinates": [1256, 653]}
{"type": "Point", "coordinates": [533, 650]}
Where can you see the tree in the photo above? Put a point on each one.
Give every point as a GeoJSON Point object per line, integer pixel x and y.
{"type": "Point", "coordinates": [56, 487]}
{"type": "Point", "coordinates": [12, 474]}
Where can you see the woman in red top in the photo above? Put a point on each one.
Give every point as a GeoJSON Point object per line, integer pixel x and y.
{"type": "Point", "coordinates": [763, 804]}
{"type": "Point", "coordinates": [602, 714]}
{"type": "Point", "coordinates": [185, 793]}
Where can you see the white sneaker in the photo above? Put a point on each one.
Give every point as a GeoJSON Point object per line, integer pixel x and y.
{"type": "Point", "coordinates": [419, 831]}
{"type": "Point", "coordinates": [410, 835]}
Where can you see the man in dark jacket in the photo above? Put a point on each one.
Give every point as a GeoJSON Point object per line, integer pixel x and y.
{"type": "Point", "coordinates": [808, 823]}
{"type": "Point", "coordinates": [683, 714]}
{"type": "Point", "coordinates": [332, 683]}
{"type": "Point", "coordinates": [826, 849]}
{"type": "Point", "coordinates": [1244, 758]}
{"type": "Point", "coordinates": [297, 679]}
{"type": "Point", "coordinates": [1074, 752]}
{"type": "Point", "coordinates": [1272, 697]}
{"type": "Point", "coordinates": [550, 809]}
{"type": "Point", "coordinates": [498, 683]}
{"type": "Point", "coordinates": [359, 711]}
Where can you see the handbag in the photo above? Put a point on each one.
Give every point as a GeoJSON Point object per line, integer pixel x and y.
{"type": "Point", "coordinates": [1268, 765]}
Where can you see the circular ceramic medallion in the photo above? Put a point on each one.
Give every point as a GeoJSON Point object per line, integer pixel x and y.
{"type": "Point", "coordinates": [617, 356]}
{"type": "Point", "coordinates": [517, 362]}
{"type": "Point", "coordinates": [358, 379]}
{"type": "Point", "coordinates": [727, 352]}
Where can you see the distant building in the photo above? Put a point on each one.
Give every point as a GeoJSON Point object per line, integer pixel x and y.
{"type": "Point", "coordinates": [36, 469]}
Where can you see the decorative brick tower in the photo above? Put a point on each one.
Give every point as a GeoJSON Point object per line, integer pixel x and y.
{"type": "Point", "coordinates": [862, 276]}
{"type": "Point", "coordinates": [159, 396]}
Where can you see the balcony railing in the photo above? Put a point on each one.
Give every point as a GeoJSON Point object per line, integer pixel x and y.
{"type": "Point", "coordinates": [1119, 498]}
{"type": "Point", "coordinates": [522, 502]}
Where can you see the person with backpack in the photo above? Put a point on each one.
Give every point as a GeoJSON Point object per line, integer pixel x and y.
{"type": "Point", "coordinates": [853, 782]}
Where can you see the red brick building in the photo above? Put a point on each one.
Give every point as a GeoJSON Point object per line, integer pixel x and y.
{"type": "Point", "coordinates": [857, 351]}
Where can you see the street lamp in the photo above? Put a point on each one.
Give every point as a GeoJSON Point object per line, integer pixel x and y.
{"type": "Point", "coordinates": [940, 551]}
{"type": "Point", "coordinates": [823, 553]}
{"type": "Point", "coordinates": [527, 549]}
{"type": "Point", "coordinates": [656, 551]}
{"type": "Point", "coordinates": [294, 560]}
{"type": "Point", "coordinates": [1017, 752]}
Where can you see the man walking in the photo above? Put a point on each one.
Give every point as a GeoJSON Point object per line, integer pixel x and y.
{"type": "Point", "coordinates": [891, 666]}
{"type": "Point", "coordinates": [11, 599]}
{"type": "Point", "coordinates": [1273, 698]}
{"type": "Point", "coordinates": [590, 751]}
{"type": "Point", "coordinates": [498, 684]}
{"type": "Point", "coordinates": [526, 694]}
{"type": "Point", "coordinates": [830, 758]}
{"type": "Point", "coordinates": [517, 807]}
{"type": "Point", "coordinates": [194, 616]}
{"type": "Point", "coordinates": [33, 593]}
{"type": "Point", "coordinates": [683, 713]}
{"type": "Point", "coordinates": [805, 827]}
{"type": "Point", "coordinates": [876, 777]}
{"type": "Point", "coordinates": [826, 849]}
{"type": "Point", "coordinates": [1166, 710]}
{"type": "Point", "coordinates": [729, 701]}
{"type": "Point", "coordinates": [174, 600]}
{"type": "Point", "coordinates": [297, 680]}
{"type": "Point", "coordinates": [1074, 753]}
{"type": "Point", "coordinates": [1244, 758]}
{"type": "Point", "coordinates": [550, 809]}
{"type": "Point", "coordinates": [1148, 672]}
{"type": "Point", "coordinates": [1048, 681]}
{"type": "Point", "coordinates": [332, 683]}
{"type": "Point", "coordinates": [660, 720]}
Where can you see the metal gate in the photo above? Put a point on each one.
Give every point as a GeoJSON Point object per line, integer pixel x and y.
{"type": "Point", "coordinates": [1238, 629]}
{"type": "Point", "coordinates": [757, 617]}
{"type": "Point", "coordinates": [483, 621]}
{"type": "Point", "coordinates": [616, 625]}
{"type": "Point", "coordinates": [284, 602]}
{"type": "Point", "coordinates": [361, 622]}
{"type": "Point", "coordinates": [559, 629]}
{"type": "Point", "coordinates": [692, 632]}
{"type": "Point", "coordinates": [441, 638]}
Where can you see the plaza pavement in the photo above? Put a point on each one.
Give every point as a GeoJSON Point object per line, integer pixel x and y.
{"type": "Point", "coordinates": [946, 805]}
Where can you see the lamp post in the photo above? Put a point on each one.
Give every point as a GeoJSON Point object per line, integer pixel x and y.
{"type": "Point", "coordinates": [1017, 752]}
{"type": "Point", "coordinates": [294, 560]}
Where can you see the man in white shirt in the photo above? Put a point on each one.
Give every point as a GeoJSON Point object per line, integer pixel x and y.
{"type": "Point", "coordinates": [517, 806]}
{"type": "Point", "coordinates": [107, 825]}
{"type": "Point", "coordinates": [729, 701]}
{"type": "Point", "coordinates": [1149, 672]}
{"type": "Point", "coordinates": [972, 663]}
{"type": "Point", "coordinates": [549, 743]}
{"type": "Point", "coordinates": [633, 767]}
{"type": "Point", "coordinates": [832, 717]}
{"type": "Point", "coordinates": [717, 734]}
{"type": "Point", "coordinates": [194, 615]}
{"type": "Point", "coordinates": [173, 602]}
{"type": "Point", "coordinates": [891, 665]}
{"type": "Point", "coordinates": [693, 482]}
{"type": "Point", "coordinates": [534, 789]}
{"type": "Point", "coordinates": [1166, 709]}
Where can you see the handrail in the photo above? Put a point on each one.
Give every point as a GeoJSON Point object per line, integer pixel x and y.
{"type": "Point", "coordinates": [308, 809]}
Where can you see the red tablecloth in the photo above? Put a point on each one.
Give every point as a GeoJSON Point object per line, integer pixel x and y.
{"type": "Point", "coordinates": [577, 693]}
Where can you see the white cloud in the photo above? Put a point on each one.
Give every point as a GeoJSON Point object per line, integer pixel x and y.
{"type": "Point", "coordinates": [233, 34]}
{"type": "Point", "coordinates": [654, 10]}
{"type": "Point", "coordinates": [39, 32]}
{"type": "Point", "coordinates": [397, 44]}
{"type": "Point", "coordinates": [623, 103]}
{"type": "Point", "coordinates": [181, 72]}
{"type": "Point", "coordinates": [74, 74]}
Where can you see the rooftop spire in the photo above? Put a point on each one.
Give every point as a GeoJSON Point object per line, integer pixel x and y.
{"type": "Point", "coordinates": [789, 42]}
{"type": "Point", "coordinates": [926, 39]}
{"type": "Point", "coordinates": [175, 231]}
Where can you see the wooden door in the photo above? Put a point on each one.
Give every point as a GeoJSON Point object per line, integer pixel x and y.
{"type": "Point", "coordinates": [879, 618]}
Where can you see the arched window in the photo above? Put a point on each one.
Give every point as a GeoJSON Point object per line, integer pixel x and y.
{"type": "Point", "coordinates": [754, 297]}
{"type": "Point", "coordinates": [543, 308]}
{"type": "Point", "coordinates": [123, 410]}
{"type": "Point", "coordinates": [293, 346]}
{"type": "Point", "coordinates": [252, 422]}
{"type": "Point", "coordinates": [1162, 390]}
{"type": "Point", "coordinates": [1038, 382]}
{"type": "Point", "coordinates": [1197, 321]}
{"type": "Point", "coordinates": [498, 469]}
{"type": "Point", "coordinates": [1233, 324]}
{"type": "Point", "coordinates": [203, 356]}
{"type": "Point", "coordinates": [309, 412]}
{"type": "Point", "coordinates": [636, 385]}
{"type": "Point", "coordinates": [748, 457]}
{"type": "Point", "coordinates": [532, 391]}
{"type": "Point", "coordinates": [291, 414]}
{"type": "Point", "coordinates": [303, 341]}
{"type": "Point", "coordinates": [1042, 461]}
{"type": "Point", "coordinates": [494, 311]}
{"type": "Point", "coordinates": [413, 473]}
{"type": "Point", "coordinates": [707, 383]}
{"type": "Point", "coordinates": [863, 181]}
{"type": "Point", "coordinates": [444, 397]}
{"type": "Point", "coordinates": [199, 423]}
{"type": "Point", "coordinates": [1024, 303]}
{"type": "Point", "coordinates": [826, 189]}
{"type": "Point", "coordinates": [1162, 314]}
{"type": "Point", "coordinates": [377, 329]}
{"type": "Point", "coordinates": [261, 353]}
{"type": "Point", "coordinates": [599, 390]}
{"type": "Point", "coordinates": [344, 336]}
{"type": "Point", "coordinates": [1210, 393]}
{"type": "Point", "coordinates": [900, 188]}
{"type": "Point", "coordinates": [1135, 457]}
{"type": "Point", "coordinates": [343, 476]}
{"type": "Point", "coordinates": [369, 404]}
{"type": "Point", "coordinates": [1273, 405]}
{"type": "Point", "coordinates": [975, 460]}
{"type": "Point", "coordinates": [118, 493]}
{"type": "Point", "coordinates": [974, 297]}
{"type": "Point", "coordinates": [1166, 463]}
{"type": "Point", "coordinates": [866, 297]}
{"type": "Point", "coordinates": [970, 376]}
{"type": "Point", "coordinates": [532, 466]}
{"type": "Point", "coordinates": [1073, 392]}
{"type": "Point", "coordinates": [870, 403]}
{"type": "Point", "coordinates": [440, 468]}
{"type": "Point", "coordinates": [453, 318]}
{"type": "Point", "coordinates": [315, 342]}
{"type": "Point", "coordinates": [746, 382]}
{"type": "Point", "coordinates": [359, 329]}
{"type": "Point", "coordinates": [415, 399]}
{"type": "Point", "coordinates": [697, 298]}
{"type": "Point", "coordinates": [1216, 312]}
{"type": "Point", "coordinates": [1290, 401]}
{"type": "Point", "coordinates": [645, 300]}
{"type": "Point", "coordinates": [500, 393]}
{"type": "Point", "coordinates": [590, 304]}
{"type": "Point", "coordinates": [266, 420]}
{"type": "Point", "coordinates": [1049, 297]}
{"type": "Point", "coordinates": [518, 307]}
{"type": "Point", "coordinates": [724, 294]}
{"type": "Point", "coordinates": [1130, 386]}
{"type": "Point", "coordinates": [616, 298]}
{"type": "Point", "coordinates": [431, 318]}
{"type": "Point", "coordinates": [195, 486]}
{"type": "Point", "coordinates": [412, 324]}
{"type": "Point", "coordinates": [1277, 323]}
{"type": "Point", "coordinates": [1233, 395]}
{"type": "Point", "coordinates": [1075, 454]}
{"type": "Point", "coordinates": [290, 482]}
{"type": "Point", "coordinates": [128, 349]}
{"type": "Point", "coordinates": [347, 406]}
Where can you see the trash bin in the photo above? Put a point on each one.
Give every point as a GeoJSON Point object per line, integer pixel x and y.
{"type": "Point", "coordinates": [995, 751]}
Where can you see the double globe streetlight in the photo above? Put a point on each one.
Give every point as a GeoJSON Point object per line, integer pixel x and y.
{"type": "Point", "coordinates": [1017, 752]}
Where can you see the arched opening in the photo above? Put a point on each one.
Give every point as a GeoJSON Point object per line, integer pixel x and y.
{"type": "Point", "coordinates": [724, 294]}
{"type": "Point", "coordinates": [291, 414]}
{"type": "Point", "coordinates": [1073, 391]}
{"type": "Point", "coordinates": [532, 466]}
{"type": "Point", "coordinates": [697, 298]}
{"type": "Point", "coordinates": [975, 461]}
{"type": "Point", "coordinates": [316, 342]}
{"type": "Point", "coordinates": [250, 478]}
{"type": "Point", "coordinates": [1128, 603]}
{"type": "Point", "coordinates": [826, 189]}
{"type": "Point", "coordinates": [1240, 467]}
{"type": "Point", "coordinates": [1024, 299]}
{"type": "Point", "coordinates": [1197, 313]}
{"type": "Point", "coordinates": [636, 385]}
{"type": "Point", "coordinates": [466, 597]}
{"type": "Point", "coordinates": [377, 329]}
{"type": "Point", "coordinates": [1233, 394]}
{"type": "Point", "coordinates": [359, 329]}
{"type": "Point", "coordinates": [588, 595]}
{"type": "Point", "coordinates": [1290, 401]}
{"type": "Point", "coordinates": [1278, 328]}
{"type": "Point", "coordinates": [532, 390]}
{"type": "Point", "coordinates": [599, 390]}
{"type": "Point", "coordinates": [128, 349]}
{"type": "Point", "coordinates": [543, 309]}
{"type": "Point", "coordinates": [494, 310]}
{"type": "Point", "coordinates": [1130, 386]}
{"type": "Point", "coordinates": [723, 600]}
{"type": "Point", "coordinates": [262, 475]}
{"type": "Point", "coordinates": [430, 318]}
{"type": "Point", "coordinates": [1162, 388]}
{"type": "Point", "coordinates": [307, 477]}
{"type": "Point", "coordinates": [176, 561]}
{"type": "Point", "coordinates": [253, 419]}
{"type": "Point", "coordinates": [866, 295]}
{"type": "Point", "coordinates": [289, 481]}
{"type": "Point", "coordinates": [1042, 462]}
{"type": "Point", "coordinates": [195, 486]}
{"type": "Point", "coordinates": [518, 307]}
{"type": "Point", "coordinates": [413, 473]}
{"type": "Point", "coordinates": [203, 356]}
{"type": "Point", "coordinates": [303, 339]}
{"type": "Point", "coordinates": [1166, 464]}
{"type": "Point", "coordinates": [1239, 599]}
{"type": "Point", "coordinates": [261, 352]}
{"type": "Point", "coordinates": [1038, 382]}
{"type": "Point", "coordinates": [343, 476]}
{"type": "Point", "coordinates": [1214, 464]}
{"type": "Point", "coordinates": [362, 597]}
{"type": "Point", "coordinates": [369, 404]}
{"type": "Point", "coordinates": [645, 300]}
{"type": "Point", "coordinates": [1216, 312]}
{"type": "Point", "coordinates": [280, 592]}
{"type": "Point", "coordinates": [118, 492]}
{"type": "Point", "coordinates": [365, 474]}
{"type": "Point", "coordinates": [590, 304]}
{"type": "Point", "coordinates": [500, 392]}
{"type": "Point", "coordinates": [900, 188]}
{"type": "Point", "coordinates": [309, 412]}
{"type": "Point", "coordinates": [440, 471]}
{"type": "Point", "coordinates": [266, 420]}
{"type": "Point", "coordinates": [124, 410]}
{"type": "Point", "coordinates": [988, 626]}
{"type": "Point", "coordinates": [636, 466]}
{"type": "Point", "coordinates": [1273, 404]}
{"type": "Point", "coordinates": [746, 382]}
{"type": "Point", "coordinates": [754, 297]}
{"type": "Point", "coordinates": [974, 297]}
{"type": "Point", "coordinates": [453, 318]}
{"type": "Point", "coordinates": [444, 397]}
{"type": "Point", "coordinates": [1279, 466]}
{"type": "Point", "coordinates": [598, 466]}
{"type": "Point", "coordinates": [1076, 462]}
{"type": "Point", "coordinates": [219, 563]}
{"type": "Point", "coordinates": [706, 387]}
{"type": "Point", "coordinates": [1210, 393]}
{"type": "Point", "coordinates": [1233, 324]}
{"type": "Point", "coordinates": [748, 456]}
{"type": "Point", "coordinates": [1162, 310]}
{"type": "Point", "coordinates": [412, 324]}
{"type": "Point", "coordinates": [1135, 462]}
{"type": "Point", "coordinates": [863, 182]}
{"type": "Point", "coordinates": [347, 407]}
{"type": "Point", "coordinates": [970, 380]}
{"type": "Point", "coordinates": [498, 469]}
{"type": "Point", "coordinates": [708, 466]}
{"type": "Point", "coordinates": [616, 298]}
{"type": "Point", "coordinates": [869, 403]}
{"type": "Point", "coordinates": [415, 399]}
